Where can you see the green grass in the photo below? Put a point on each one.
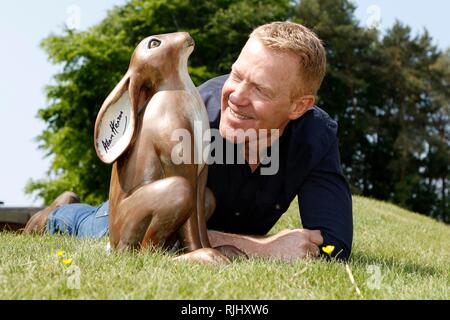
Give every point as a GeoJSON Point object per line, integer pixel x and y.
{"type": "Point", "coordinates": [409, 251]}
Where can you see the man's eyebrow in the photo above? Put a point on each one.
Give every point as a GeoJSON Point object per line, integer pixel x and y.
{"type": "Point", "coordinates": [234, 70]}
{"type": "Point", "coordinates": [264, 88]}
{"type": "Point", "coordinates": [258, 85]}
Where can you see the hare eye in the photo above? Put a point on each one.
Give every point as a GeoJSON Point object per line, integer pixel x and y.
{"type": "Point", "coordinates": [154, 43]}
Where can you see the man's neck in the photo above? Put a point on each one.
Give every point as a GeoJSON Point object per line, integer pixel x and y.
{"type": "Point", "coordinates": [253, 151]}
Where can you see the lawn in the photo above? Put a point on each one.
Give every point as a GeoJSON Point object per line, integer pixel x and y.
{"type": "Point", "coordinates": [396, 255]}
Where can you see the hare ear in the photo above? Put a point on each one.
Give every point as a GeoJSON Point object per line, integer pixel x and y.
{"type": "Point", "coordinates": [116, 122]}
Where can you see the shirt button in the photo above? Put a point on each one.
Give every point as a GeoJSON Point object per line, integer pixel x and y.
{"type": "Point", "coordinates": [237, 214]}
{"type": "Point", "coordinates": [277, 206]}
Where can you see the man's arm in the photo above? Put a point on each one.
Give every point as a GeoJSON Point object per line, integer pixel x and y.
{"type": "Point", "coordinates": [325, 204]}
{"type": "Point", "coordinates": [288, 245]}
{"type": "Point", "coordinates": [326, 212]}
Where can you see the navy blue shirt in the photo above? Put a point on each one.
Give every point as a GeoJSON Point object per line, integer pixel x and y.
{"type": "Point", "coordinates": [309, 168]}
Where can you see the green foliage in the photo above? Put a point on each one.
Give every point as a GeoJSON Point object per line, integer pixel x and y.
{"type": "Point", "coordinates": [389, 93]}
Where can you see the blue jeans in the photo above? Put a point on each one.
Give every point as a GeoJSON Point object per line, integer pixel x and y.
{"type": "Point", "coordinates": [79, 220]}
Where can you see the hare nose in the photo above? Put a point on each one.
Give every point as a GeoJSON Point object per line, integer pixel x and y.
{"type": "Point", "coordinates": [190, 41]}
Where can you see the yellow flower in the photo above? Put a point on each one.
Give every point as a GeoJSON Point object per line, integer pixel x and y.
{"type": "Point", "coordinates": [328, 249]}
{"type": "Point", "coordinates": [60, 253]}
{"type": "Point", "coordinates": [67, 262]}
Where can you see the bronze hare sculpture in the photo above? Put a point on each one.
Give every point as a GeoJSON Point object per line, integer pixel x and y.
{"type": "Point", "coordinates": [153, 201]}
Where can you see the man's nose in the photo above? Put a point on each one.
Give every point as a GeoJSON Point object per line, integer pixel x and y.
{"type": "Point", "coordinates": [239, 97]}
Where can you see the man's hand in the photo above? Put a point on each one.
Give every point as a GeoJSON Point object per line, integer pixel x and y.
{"type": "Point", "coordinates": [294, 244]}
{"type": "Point", "coordinates": [288, 245]}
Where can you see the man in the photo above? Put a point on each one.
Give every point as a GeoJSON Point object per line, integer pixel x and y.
{"type": "Point", "coordinates": [272, 85]}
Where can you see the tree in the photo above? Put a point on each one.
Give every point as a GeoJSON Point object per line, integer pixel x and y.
{"type": "Point", "coordinates": [413, 113]}
{"type": "Point", "coordinates": [437, 162]}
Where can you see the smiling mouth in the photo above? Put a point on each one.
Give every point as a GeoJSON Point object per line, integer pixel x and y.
{"type": "Point", "coordinates": [239, 116]}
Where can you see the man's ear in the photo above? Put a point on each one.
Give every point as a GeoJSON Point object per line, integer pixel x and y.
{"type": "Point", "coordinates": [301, 105]}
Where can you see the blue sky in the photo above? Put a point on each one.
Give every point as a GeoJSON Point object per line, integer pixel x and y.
{"type": "Point", "coordinates": [26, 71]}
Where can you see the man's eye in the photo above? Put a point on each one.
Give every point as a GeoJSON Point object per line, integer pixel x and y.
{"type": "Point", "coordinates": [154, 43]}
{"type": "Point", "coordinates": [235, 77]}
{"type": "Point", "coordinates": [262, 92]}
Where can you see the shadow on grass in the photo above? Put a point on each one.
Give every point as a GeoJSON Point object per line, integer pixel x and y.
{"type": "Point", "coordinates": [395, 264]}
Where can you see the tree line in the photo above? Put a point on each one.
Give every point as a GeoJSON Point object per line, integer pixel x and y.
{"type": "Point", "coordinates": [389, 92]}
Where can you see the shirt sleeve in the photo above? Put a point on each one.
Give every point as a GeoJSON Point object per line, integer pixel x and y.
{"type": "Point", "coordinates": [325, 204]}
{"type": "Point", "coordinates": [211, 93]}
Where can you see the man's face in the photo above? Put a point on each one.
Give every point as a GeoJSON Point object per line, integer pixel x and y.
{"type": "Point", "coordinates": [258, 93]}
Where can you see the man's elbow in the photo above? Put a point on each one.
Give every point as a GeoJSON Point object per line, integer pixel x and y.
{"type": "Point", "coordinates": [346, 251]}
{"type": "Point", "coordinates": [339, 249]}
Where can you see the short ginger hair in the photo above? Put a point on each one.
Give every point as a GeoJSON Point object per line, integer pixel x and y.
{"type": "Point", "coordinates": [296, 38]}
